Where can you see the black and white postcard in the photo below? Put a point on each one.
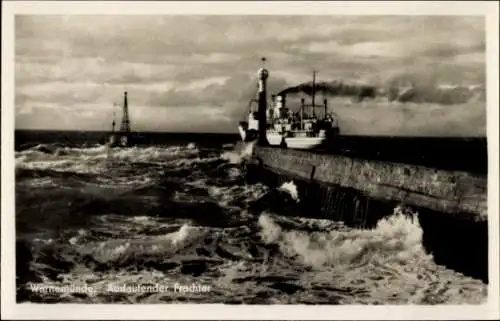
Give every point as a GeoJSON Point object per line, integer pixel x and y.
{"type": "Point", "coordinates": [250, 160]}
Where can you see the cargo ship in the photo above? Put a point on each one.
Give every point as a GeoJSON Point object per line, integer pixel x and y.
{"type": "Point", "coordinates": [301, 128]}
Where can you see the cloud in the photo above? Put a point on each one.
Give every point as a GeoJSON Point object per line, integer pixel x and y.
{"type": "Point", "coordinates": [186, 68]}
{"type": "Point", "coordinates": [361, 49]}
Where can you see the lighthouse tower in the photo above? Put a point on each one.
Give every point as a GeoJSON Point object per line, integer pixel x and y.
{"type": "Point", "coordinates": [125, 125]}
{"type": "Point", "coordinates": [262, 75]}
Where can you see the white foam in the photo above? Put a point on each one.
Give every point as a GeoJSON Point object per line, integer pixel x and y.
{"type": "Point", "coordinates": [238, 156]}
{"type": "Point", "coordinates": [97, 159]}
{"type": "Point", "coordinates": [291, 189]}
{"type": "Point", "coordinates": [390, 259]}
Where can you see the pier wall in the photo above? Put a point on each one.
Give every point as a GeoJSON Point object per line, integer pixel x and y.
{"type": "Point", "coordinates": [451, 205]}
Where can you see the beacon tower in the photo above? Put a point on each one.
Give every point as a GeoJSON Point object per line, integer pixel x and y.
{"type": "Point", "coordinates": [263, 74]}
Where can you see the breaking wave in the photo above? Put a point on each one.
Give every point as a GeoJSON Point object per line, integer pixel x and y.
{"type": "Point", "coordinates": [240, 154]}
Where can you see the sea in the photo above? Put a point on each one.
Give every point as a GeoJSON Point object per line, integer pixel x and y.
{"type": "Point", "coordinates": [176, 221]}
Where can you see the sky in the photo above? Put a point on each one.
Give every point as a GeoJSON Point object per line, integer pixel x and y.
{"type": "Point", "coordinates": [198, 73]}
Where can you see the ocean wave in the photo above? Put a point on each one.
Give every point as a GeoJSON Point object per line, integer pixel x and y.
{"type": "Point", "coordinates": [101, 159]}
{"type": "Point", "coordinates": [390, 258]}
{"type": "Point", "coordinates": [182, 214]}
{"type": "Point", "coordinates": [331, 265]}
{"type": "Point", "coordinates": [121, 251]}
{"type": "Point", "coordinates": [241, 153]}
{"type": "Point", "coordinates": [396, 237]}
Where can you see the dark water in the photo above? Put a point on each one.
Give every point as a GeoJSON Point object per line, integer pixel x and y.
{"type": "Point", "coordinates": [30, 138]}
{"type": "Point", "coordinates": [180, 213]}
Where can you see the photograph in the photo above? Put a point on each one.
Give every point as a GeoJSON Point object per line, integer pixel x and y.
{"type": "Point", "coordinates": [269, 159]}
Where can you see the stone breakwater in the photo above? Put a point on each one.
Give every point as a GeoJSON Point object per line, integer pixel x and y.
{"type": "Point", "coordinates": [444, 191]}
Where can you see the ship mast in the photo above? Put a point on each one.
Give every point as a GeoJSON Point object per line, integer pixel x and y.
{"type": "Point", "coordinates": [125, 125]}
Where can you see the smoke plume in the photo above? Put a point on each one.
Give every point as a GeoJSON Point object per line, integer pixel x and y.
{"type": "Point", "coordinates": [449, 95]}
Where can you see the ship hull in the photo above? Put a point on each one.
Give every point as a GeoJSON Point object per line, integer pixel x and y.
{"type": "Point", "coordinates": [248, 135]}
{"type": "Point", "coordinates": [304, 142]}
{"type": "Point", "coordinates": [274, 139]}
